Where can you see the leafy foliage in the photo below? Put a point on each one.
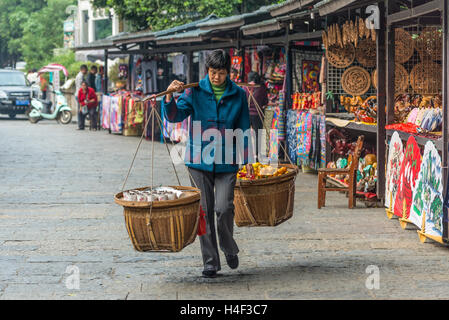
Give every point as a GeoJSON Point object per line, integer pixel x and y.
{"type": "Point", "coordinates": [31, 29]}
{"type": "Point", "coordinates": [159, 14]}
{"type": "Point", "coordinates": [47, 26]}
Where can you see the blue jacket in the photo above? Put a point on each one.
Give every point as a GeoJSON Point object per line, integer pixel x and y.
{"type": "Point", "coordinates": [230, 112]}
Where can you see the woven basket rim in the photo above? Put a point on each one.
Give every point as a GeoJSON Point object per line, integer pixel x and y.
{"type": "Point", "coordinates": [293, 172]}
{"type": "Point", "coordinates": [159, 204]}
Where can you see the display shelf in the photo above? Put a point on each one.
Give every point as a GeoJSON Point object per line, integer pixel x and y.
{"type": "Point", "coordinates": [421, 140]}
{"type": "Point", "coordinates": [355, 126]}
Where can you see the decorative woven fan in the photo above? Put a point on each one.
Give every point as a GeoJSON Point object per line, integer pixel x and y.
{"type": "Point", "coordinates": [426, 78]}
{"type": "Point", "coordinates": [429, 44]}
{"type": "Point", "coordinates": [401, 79]}
{"type": "Point", "coordinates": [374, 78]}
{"type": "Point", "coordinates": [365, 53]}
{"type": "Point", "coordinates": [341, 57]}
{"type": "Point", "coordinates": [404, 46]}
{"type": "Point", "coordinates": [356, 81]}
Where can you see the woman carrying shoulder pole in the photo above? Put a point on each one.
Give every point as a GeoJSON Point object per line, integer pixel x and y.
{"type": "Point", "coordinates": [216, 107]}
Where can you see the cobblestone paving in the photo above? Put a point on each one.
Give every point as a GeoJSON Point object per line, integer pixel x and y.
{"type": "Point", "coordinates": [57, 210]}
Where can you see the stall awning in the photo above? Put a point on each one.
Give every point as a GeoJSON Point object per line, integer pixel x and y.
{"type": "Point", "coordinates": [329, 6]}
{"type": "Point", "coordinates": [141, 36]}
{"type": "Point", "coordinates": [261, 27]}
{"type": "Point", "coordinates": [186, 27]}
{"type": "Point", "coordinates": [189, 36]}
{"type": "Point", "coordinates": [106, 43]}
{"type": "Point", "coordinates": [289, 6]}
{"type": "Point", "coordinates": [237, 21]}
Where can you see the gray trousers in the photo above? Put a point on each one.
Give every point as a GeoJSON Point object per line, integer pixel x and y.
{"type": "Point", "coordinates": [217, 197]}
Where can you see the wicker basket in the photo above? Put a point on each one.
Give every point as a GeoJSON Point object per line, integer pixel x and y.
{"type": "Point", "coordinates": [341, 57]}
{"type": "Point", "coordinates": [366, 54]}
{"type": "Point", "coordinates": [374, 78]}
{"type": "Point", "coordinates": [401, 79]}
{"type": "Point", "coordinates": [404, 46]}
{"type": "Point", "coordinates": [165, 226]}
{"type": "Point", "coordinates": [265, 202]}
{"type": "Point", "coordinates": [426, 78]}
{"type": "Point", "coordinates": [429, 45]}
{"type": "Point", "coordinates": [355, 81]}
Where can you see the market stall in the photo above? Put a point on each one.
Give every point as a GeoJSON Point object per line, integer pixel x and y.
{"type": "Point", "coordinates": [351, 99]}
{"type": "Point", "coordinates": [416, 128]}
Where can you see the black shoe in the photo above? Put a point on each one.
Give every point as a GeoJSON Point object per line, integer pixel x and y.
{"type": "Point", "coordinates": [233, 261]}
{"type": "Point", "coordinates": [80, 129]}
{"type": "Point", "coordinates": [209, 274]}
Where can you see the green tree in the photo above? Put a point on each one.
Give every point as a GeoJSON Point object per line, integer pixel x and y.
{"type": "Point", "coordinates": [43, 31]}
{"type": "Point", "coordinates": [159, 14]}
{"type": "Point", "coordinates": [13, 15]}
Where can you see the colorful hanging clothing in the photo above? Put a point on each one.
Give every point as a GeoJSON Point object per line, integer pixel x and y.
{"type": "Point", "coordinates": [323, 141]}
{"type": "Point", "coordinates": [106, 112]}
{"type": "Point", "coordinates": [116, 124]}
{"type": "Point", "coordinates": [291, 134]}
{"type": "Point", "coordinates": [268, 119]}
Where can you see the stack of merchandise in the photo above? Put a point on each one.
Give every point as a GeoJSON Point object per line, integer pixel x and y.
{"type": "Point", "coordinates": [366, 173]}
{"type": "Point", "coordinates": [306, 101]}
{"type": "Point", "coordinates": [275, 81]}
{"type": "Point", "coordinates": [365, 110]}
{"type": "Point", "coordinates": [418, 113]}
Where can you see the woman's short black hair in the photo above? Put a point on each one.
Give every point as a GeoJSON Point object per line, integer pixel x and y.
{"type": "Point", "coordinates": [254, 77]}
{"type": "Point", "coordinates": [218, 59]}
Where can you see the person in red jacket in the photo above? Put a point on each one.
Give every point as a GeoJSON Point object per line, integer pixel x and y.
{"type": "Point", "coordinates": [87, 97]}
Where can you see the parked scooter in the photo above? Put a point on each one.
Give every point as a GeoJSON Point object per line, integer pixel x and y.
{"type": "Point", "coordinates": [41, 109]}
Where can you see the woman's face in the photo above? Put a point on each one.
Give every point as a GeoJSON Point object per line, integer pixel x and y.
{"type": "Point", "coordinates": [84, 86]}
{"type": "Point", "coordinates": [217, 76]}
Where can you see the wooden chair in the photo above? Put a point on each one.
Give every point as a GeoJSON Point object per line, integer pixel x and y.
{"type": "Point", "coordinates": [323, 174]}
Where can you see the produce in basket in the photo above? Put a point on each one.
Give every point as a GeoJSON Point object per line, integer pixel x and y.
{"type": "Point", "coordinates": [261, 171]}
{"type": "Point", "coordinates": [150, 195]}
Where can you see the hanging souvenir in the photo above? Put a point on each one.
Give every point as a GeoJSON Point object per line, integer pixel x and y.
{"type": "Point", "coordinates": [408, 176]}
{"type": "Point", "coordinates": [394, 161]}
{"type": "Point", "coordinates": [237, 64]}
{"type": "Point", "coordinates": [123, 71]}
{"type": "Point", "coordinates": [427, 206]}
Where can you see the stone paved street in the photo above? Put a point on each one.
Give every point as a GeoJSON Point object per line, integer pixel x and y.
{"type": "Point", "coordinates": [57, 210]}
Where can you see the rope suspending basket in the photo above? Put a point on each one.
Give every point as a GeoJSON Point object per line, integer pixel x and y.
{"type": "Point", "coordinates": [165, 225]}
{"type": "Point", "coordinates": [266, 201]}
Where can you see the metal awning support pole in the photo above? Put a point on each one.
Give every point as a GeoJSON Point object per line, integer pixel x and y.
{"type": "Point", "coordinates": [105, 76]}
{"type": "Point", "coordinates": [289, 71]}
{"type": "Point", "coordinates": [381, 102]}
{"type": "Point", "coordinates": [444, 151]}
{"type": "Point", "coordinates": [390, 69]}
{"type": "Point", "coordinates": [189, 75]}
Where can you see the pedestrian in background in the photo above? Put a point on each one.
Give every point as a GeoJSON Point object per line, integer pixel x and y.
{"type": "Point", "coordinates": [99, 80]}
{"type": "Point", "coordinates": [33, 77]}
{"type": "Point", "coordinates": [44, 86]}
{"type": "Point", "coordinates": [87, 98]}
{"type": "Point", "coordinates": [100, 91]}
{"type": "Point", "coordinates": [80, 78]}
{"type": "Point", "coordinates": [91, 78]}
